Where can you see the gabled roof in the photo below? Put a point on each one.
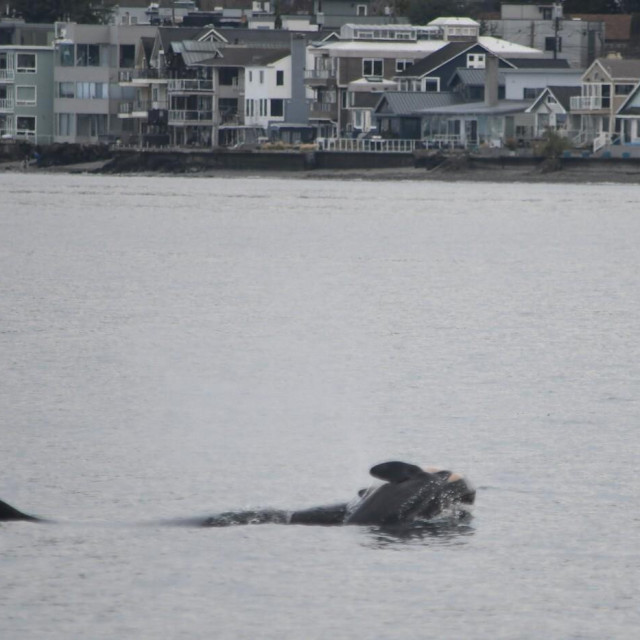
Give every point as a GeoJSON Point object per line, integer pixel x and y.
{"type": "Point", "coordinates": [503, 107]}
{"type": "Point", "coordinates": [436, 59]}
{"type": "Point", "coordinates": [147, 47]}
{"type": "Point", "coordinates": [629, 106]}
{"type": "Point", "coordinates": [246, 57]}
{"type": "Point", "coordinates": [408, 102]}
{"type": "Point", "coordinates": [473, 77]}
{"type": "Point", "coordinates": [619, 68]}
{"type": "Point", "coordinates": [562, 95]}
{"type": "Point", "coordinates": [365, 99]}
{"type": "Point", "coordinates": [167, 35]}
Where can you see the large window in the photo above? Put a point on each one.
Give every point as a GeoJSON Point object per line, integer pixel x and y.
{"type": "Point", "coordinates": [26, 63]}
{"type": "Point", "coordinates": [92, 90]}
{"type": "Point", "coordinates": [65, 124]}
{"type": "Point", "coordinates": [25, 96]}
{"type": "Point", "coordinates": [66, 90]}
{"type": "Point", "coordinates": [127, 56]}
{"type": "Point", "coordinates": [25, 126]}
{"type": "Point", "coordinates": [88, 55]}
{"type": "Point", "coordinates": [277, 107]}
{"type": "Point", "coordinates": [372, 67]}
{"type": "Point", "coordinates": [66, 55]}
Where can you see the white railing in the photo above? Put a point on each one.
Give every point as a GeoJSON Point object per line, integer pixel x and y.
{"type": "Point", "coordinates": [443, 141]}
{"type": "Point", "coordinates": [177, 116]}
{"type": "Point", "coordinates": [7, 74]}
{"type": "Point", "coordinates": [366, 145]}
{"type": "Point", "coordinates": [585, 103]}
{"type": "Point", "coordinates": [319, 74]}
{"type": "Point", "coordinates": [324, 107]}
{"type": "Point", "coordinates": [188, 84]}
{"type": "Point", "coordinates": [6, 104]}
{"type": "Point", "coordinates": [601, 141]}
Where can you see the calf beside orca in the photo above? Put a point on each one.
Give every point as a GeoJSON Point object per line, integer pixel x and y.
{"type": "Point", "coordinates": [408, 495]}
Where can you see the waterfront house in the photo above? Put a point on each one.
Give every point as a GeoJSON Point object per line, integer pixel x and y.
{"type": "Point", "coordinates": [552, 110]}
{"type": "Point", "coordinates": [605, 86]}
{"type": "Point", "coordinates": [628, 118]}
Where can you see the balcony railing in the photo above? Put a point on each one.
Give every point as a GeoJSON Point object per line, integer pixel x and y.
{"type": "Point", "coordinates": [6, 104]}
{"type": "Point", "coordinates": [138, 106]}
{"type": "Point", "coordinates": [587, 103]}
{"type": "Point", "coordinates": [7, 74]}
{"type": "Point", "coordinates": [187, 85]}
{"type": "Point", "coordinates": [319, 74]}
{"type": "Point", "coordinates": [366, 145]}
{"type": "Point", "coordinates": [132, 75]}
{"type": "Point", "coordinates": [179, 116]}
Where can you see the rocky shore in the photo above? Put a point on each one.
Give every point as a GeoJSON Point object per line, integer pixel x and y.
{"type": "Point", "coordinates": [440, 167]}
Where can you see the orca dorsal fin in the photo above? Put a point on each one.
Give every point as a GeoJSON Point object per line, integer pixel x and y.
{"type": "Point", "coordinates": [395, 472]}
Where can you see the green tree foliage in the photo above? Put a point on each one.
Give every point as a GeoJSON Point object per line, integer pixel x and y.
{"type": "Point", "coordinates": [48, 11]}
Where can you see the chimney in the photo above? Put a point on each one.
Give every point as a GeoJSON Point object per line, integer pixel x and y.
{"type": "Point", "coordinates": [491, 80]}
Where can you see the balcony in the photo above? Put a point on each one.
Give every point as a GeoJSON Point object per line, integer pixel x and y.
{"type": "Point", "coordinates": [589, 103]}
{"type": "Point", "coordinates": [6, 105]}
{"type": "Point", "coordinates": [319, 77]}
{"type": "Point", "coordinates": [190, 85]}
{"type": "Point", "coordinates": [186, 117]}
{"type": "Point", "coordinates": [7, 75]}
{"type": "Point", "coordinates": [142, 77]}
{"type": "Point", "coordinates": [324, 110]}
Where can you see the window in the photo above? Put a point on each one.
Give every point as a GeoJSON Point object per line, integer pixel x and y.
{"type": "Point", "coordinates": [127, 56]}
{"type": "Point", "coordinates": [372, 67]}
{"type": "Point", "coordinates": [432, 84]}
{"type": "Point", "coordinates": [88, 55]}
{"type": "Point", "coordinates": [65, 124]}
{"type": "Point", "coordinates": [26, 63]}
{"type": "Point", "coordinates": [550, 44]}
{"type": "Point", "coordinates": [361, 10]}
{"type": "Point", "coordinates": [92, 90]}
{"type": "Point", "coordinates": [530, 94]}
{"type": "Point", "coordinates": [476, 60]}
{"type": "Point", "coordinates": [279, 78]}
{"type": "Point", "coordinates": [402, 64]}
{"type": "Point", "coordinates": [66, 55]}
{"type": "Point", "coordinates": [25, 125]}
{"type": "Point", "coordinates": [66, 90]}
{"type": "Point", "coordinates": [25, 96]}
{"type": "Point", "coordinates": [277, 108]}
{"type": "Point", "coordinates": [261, 77]}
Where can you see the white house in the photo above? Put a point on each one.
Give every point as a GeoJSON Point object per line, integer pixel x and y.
{"type": "Point", "coordinates": [267, 89]}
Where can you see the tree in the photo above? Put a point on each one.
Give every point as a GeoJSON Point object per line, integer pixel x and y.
{"type": "Point", "coordinates": [48, 11]}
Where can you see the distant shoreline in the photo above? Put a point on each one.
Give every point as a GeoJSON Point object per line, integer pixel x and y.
{"type": "Point", "coordinates": [454, 169]}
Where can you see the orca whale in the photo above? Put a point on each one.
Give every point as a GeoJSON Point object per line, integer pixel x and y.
{"type": "Point", "coordinates": [408, 495]}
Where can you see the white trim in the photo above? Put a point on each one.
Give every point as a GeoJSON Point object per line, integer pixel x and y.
{"type": "Point", "coordinates": [24, 103]}
{"type": "Point", "coordinates": [19, 69]}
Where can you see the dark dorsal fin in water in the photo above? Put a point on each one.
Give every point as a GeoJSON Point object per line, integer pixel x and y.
{"type": "Point", "coordinates": [7, 512]}
{"type": "Point", "coordinates": [396, 472]}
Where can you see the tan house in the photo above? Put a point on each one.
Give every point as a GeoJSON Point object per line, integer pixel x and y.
{"type": "Point", "coordinates": [606, 84]}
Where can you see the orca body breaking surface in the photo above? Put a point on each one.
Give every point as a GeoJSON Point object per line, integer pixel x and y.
{"type": "Point", "coordinates": [408, 495]}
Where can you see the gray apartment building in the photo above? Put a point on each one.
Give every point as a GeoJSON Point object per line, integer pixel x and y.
{"type": "Point", "coordinates": [87, 96]}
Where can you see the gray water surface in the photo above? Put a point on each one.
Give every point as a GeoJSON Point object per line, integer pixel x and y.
{"type": "Point", "coordinates": [177, 347]}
